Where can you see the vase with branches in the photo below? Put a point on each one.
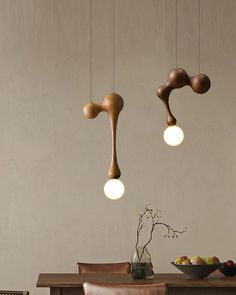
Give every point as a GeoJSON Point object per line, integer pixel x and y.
{"type": "Point", "coordinates": [141, 262]}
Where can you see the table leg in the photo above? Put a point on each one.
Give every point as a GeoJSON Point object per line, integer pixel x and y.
{"type": "Point", "coordinates": [55, 291]}
{"type": "Point", "coordinates": [71, 291]}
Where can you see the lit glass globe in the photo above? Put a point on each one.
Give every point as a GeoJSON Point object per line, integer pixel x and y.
{"type": "Point", "coordinates": [173, 135]}
{"type": "Point", "coordinates": [114, 189]}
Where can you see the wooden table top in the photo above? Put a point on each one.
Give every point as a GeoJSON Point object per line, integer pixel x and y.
{"type": "Point", "coordinates": [71, 280]}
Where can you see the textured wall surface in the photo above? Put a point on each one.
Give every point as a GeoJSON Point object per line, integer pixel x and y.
{"type": "Point", "coordinates": [53, 162]}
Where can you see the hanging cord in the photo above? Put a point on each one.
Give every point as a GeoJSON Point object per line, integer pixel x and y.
{"type": "Point", "coordinates": [90, 52]}
{"type": "Point", "coordinates": [176, 33]}
{"type": "Point", "coordinates": [113, 45]}
{"type": "Point", "coordinates": [199, 36]}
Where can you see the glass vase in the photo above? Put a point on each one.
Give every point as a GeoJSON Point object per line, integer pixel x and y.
{"type": "Point", "coordinates": [141, 264]}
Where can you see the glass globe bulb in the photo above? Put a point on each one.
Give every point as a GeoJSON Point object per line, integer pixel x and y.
{"type": "Point", "coordinates": [173, 135]}
{"type": "Point", "coordinates": [114, 189]}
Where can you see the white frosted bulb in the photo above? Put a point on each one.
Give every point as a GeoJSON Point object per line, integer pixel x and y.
{"type": "Point", "coordinates": [114, 189]}
{"type": "Point", "coordinates": [173, 135]}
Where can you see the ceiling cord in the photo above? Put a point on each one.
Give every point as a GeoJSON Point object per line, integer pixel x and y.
{"type": "Point", "coordinates": [176, 33]}
{"type": "Point", "coordinates": [113, 36]}
{"type": "Point", "coordinates": [90, 52]}
{"type": "Point", "coordinates": [199, 36]}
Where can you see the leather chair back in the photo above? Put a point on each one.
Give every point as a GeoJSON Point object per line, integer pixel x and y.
{"type": "Point", "coordinates": [115, 289]}
{"type": "Point", "coordinates": [121, 267]}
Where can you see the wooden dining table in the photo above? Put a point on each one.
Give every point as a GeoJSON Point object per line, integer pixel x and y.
{"type": "Point", "coordinates": [177, 284]}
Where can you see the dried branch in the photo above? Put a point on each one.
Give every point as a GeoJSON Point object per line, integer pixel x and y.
{"type": "Point", "coordinates": [149, 213]}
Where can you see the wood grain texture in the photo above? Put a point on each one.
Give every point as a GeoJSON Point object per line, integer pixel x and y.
{"type": "Point", "coordinates": [55, 291]}
{"type": "Point", "coordinates": [178, 78]}
{"type": "Point", "coordinates": [173, 280]}
{"type": "Point", "coordinates": [202, 291]}
{"type": "Point", "coordinates": [112, 104]}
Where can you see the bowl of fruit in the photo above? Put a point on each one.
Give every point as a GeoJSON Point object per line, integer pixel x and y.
{"type": "Point", "coordinates": [197, 267]}
{"type": "Point", "coordinates": [228, 268]}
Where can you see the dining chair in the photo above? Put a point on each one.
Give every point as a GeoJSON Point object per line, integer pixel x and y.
{"type": "Point", "coordinates": [116, 289]}
{"type": "Point", "coordinates": [120, 267]}
{"type": "Point", "coordinates": [8, 292]}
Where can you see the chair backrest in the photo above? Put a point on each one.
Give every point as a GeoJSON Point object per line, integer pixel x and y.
{"type": "Point", "coordinates": [115, 289]}
{"type": "Point", "coordinates": [8, 292]}
{"type": "Point", "coordinates": [120, 267]}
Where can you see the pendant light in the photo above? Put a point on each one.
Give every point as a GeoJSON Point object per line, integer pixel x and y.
{"type": "Point", "coordinates": [178, 78]}
{"type": "Point", "coordinates": [112, 104]}
{"type": "Point", "coordinates": [174, 135]}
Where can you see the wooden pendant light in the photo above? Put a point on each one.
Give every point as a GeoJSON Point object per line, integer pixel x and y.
{"type": "Point", "coordinates": [178, 78]}
{"type": "Point", "coordinates": [112, 104]}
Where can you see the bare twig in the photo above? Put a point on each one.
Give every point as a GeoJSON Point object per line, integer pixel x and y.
{"type": "Point", "coordinates": [154, 215]}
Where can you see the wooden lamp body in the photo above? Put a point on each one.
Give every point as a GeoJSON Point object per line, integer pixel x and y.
{"type": "Point", "coordinates": [112, 104]}
{"type": "Point", "coordinates": [178, 78]}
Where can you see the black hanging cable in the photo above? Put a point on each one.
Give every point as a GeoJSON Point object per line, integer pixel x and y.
{"type": "Point", "coordinates": [90, 52]}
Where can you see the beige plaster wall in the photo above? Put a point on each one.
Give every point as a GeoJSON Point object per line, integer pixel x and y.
{"type": "Point", "coordinates": [53, 162]}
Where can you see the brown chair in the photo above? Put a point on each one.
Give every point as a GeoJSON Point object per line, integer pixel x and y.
{"type": "Point", "coordinates": [121, 267]}
{"type": "Point", "coordinates": [115, 289]}
{"type": "Point", "coordinates": [14, 292]}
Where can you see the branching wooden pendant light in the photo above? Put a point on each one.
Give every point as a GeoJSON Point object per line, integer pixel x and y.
{"type": "Point", "coordinates": [178, 78]}
{"type": "Point", "coordinates": [112, 104]}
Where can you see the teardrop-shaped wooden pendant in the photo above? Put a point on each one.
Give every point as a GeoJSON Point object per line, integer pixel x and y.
{"type": "Point", "coordinates": [112, 104]}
